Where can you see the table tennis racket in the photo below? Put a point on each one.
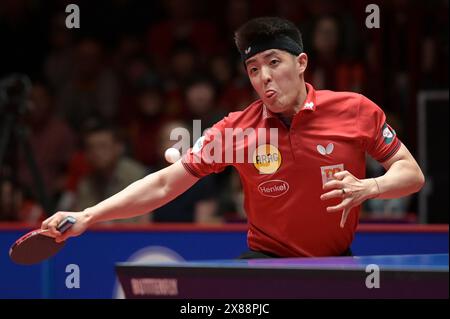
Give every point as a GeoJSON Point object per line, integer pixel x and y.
{"type": "Point", "coordinates": [36, 245]}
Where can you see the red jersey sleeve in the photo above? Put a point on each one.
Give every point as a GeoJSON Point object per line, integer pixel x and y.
{"type": "Point", "coordinates": [207, 154]}
{"type": "Point", "coordinates": [378, 138]}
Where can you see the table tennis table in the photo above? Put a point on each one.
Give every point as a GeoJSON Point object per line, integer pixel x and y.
{"type": "Point", "coordinates": [389, 276]}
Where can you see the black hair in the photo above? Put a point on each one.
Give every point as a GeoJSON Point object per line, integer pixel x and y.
{"type": "Point", "coordinates": [202, 78]}
{"type": "Point", "coordinates": [95, 125]}
{"type": "Point", "coordinates": [266, 28]}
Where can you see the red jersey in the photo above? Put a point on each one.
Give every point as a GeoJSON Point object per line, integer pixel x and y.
{"type": "Point", "coordinates": [283, 180]}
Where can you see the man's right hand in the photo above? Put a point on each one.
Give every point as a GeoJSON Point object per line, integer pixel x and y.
{"type": "Point", "coordinates": [77, 229]}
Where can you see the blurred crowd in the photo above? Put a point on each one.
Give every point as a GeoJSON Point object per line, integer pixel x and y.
{"type": "Point", "coordinates": [106, 96]}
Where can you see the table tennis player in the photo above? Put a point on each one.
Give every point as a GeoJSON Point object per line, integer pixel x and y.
{"type": "Point", "coordinates": [303, 192]}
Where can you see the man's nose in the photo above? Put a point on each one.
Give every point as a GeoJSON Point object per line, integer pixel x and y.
{"type": "Point", "coordinates": [265, 75]}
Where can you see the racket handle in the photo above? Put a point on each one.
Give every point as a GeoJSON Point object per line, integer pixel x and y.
{"type": "Point", "coordinates": [66, 224]}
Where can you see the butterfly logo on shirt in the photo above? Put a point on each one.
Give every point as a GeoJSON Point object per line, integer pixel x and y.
{"type": "Point", "coordinates": [309, 105]}
{"type": "Point", "coordinates": [325, 150]}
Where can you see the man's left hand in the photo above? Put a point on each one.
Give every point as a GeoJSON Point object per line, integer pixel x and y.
{"type": "Point", "coordinates": [352, 190]}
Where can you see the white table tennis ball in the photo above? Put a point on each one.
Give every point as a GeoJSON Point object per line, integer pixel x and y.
{"type": "Point", "coordinates": [172, 155]}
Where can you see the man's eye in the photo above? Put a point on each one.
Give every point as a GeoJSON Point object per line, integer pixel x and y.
{"type": "Point", "coordinates": [274, 62]}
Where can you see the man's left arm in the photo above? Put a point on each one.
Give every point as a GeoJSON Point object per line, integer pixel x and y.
{"type": "Point", "coordinates": [403, 177]}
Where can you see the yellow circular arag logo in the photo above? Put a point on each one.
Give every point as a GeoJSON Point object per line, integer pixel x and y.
{"type": "Point", "coordinates": [267, 159]}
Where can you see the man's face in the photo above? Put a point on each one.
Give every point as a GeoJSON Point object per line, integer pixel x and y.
{"type": "Point", "coordinates": [200, 98]}
{"type": "Point", "coordinates": [102, 150]}
{"type": "Point", "coordinates": [277, 77]}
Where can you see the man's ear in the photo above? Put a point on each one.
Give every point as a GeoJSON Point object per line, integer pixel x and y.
{"type": "Point", "coordinates": [302, 62]}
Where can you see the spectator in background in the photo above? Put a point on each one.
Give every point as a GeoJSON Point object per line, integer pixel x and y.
{"type": "Point", "coordinates": [222, 69]}
{"type": "Point", "coordinates": [147, 120]}
{"type": "Point", "coordinates": [130, 66]}
{"type": "Point", "coordinates": [128, 48]}
{"type": "Point", "coordinates": [51, 139]}
{"type": "Point", "coordinates": [328, 68]}
{"type": "Point", "coordinates": [78, 167]}
{"type": "Point", "coordinates": [291, 9]}
{"type": "Point", "coordinates": [201, 101]}
{"type": "Point", "coordinates": [199, 204]}
{"type": "Point", "coordinates": [141, 109]}
{"type": "Point", "coordinates": [110, 170]}
{"type": "Point", "coordinates": [58, 65]}
{"type": "Point", "coordinates": [181, 25]}
{"type": "Point", "coordinates": [239, 91]}
{"type": "Point", "coordinates": [233, 86]}
{"type": "Point", "coordinates": [15, 207]}
{"type": "Point", "coordinates": [434, 49]}
{"type": "Point", "coordinates": [183, 64]}
{"type": "Point", "coordinates": [93, 88]}
{"type": "Point", "coordinates": [232, 14]}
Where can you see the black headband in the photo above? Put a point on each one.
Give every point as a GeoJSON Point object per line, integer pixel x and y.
{"type": "Point", "coordinates": [284, 43]}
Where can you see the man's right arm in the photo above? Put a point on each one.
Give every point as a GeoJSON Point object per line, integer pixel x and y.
{"type": "Point", "coordinates": [138, 198]}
